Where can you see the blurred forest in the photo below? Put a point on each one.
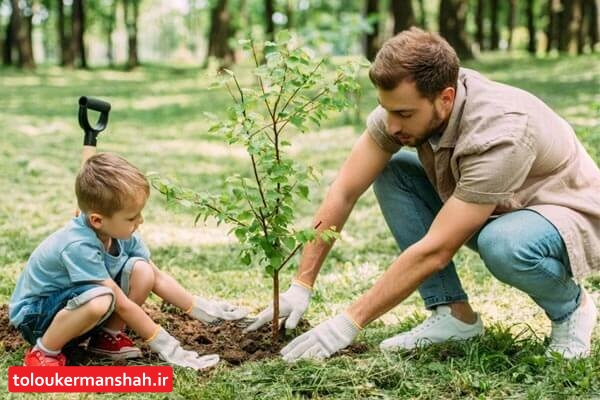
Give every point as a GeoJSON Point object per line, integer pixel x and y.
{"type": "Point", "coordinates": [125, 33]}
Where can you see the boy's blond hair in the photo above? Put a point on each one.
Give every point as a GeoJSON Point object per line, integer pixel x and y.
{"type": "Point", "coordinates": [106, 183]}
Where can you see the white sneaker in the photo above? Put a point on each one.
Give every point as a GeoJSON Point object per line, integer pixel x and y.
{"type": "Point", "coordinates": [441, 326]}
{"type": "Point", "coordinates": [573, 337]}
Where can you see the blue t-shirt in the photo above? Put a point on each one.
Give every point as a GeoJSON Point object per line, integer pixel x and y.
{"type": "Point", "coordinates": [68, 257]}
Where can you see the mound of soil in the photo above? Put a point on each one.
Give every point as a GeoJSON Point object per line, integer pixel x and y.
{"type": "Point", "coordinates": [225, 338]}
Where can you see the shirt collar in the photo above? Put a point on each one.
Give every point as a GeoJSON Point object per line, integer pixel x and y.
{"type": "Point", "coordinates": [449, 137]}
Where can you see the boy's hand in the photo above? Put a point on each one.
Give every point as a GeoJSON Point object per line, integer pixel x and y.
{"type": "Point", "coordinates": [169, 350]}
{"type": "Point", "coordinates": [209, 311]}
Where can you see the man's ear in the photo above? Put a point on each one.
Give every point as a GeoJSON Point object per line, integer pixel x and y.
{"type": "Point", "coordinates": [95, 220]}
{"type": "Point", "coordinates": [446, 99]}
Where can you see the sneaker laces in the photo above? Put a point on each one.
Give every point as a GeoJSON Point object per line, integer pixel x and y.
{"type": "Point", "coordinates": [433, 319]}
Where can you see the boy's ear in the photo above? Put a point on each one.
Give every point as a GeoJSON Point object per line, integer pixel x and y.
{"type": "Point", "coordinates": [95, 220]}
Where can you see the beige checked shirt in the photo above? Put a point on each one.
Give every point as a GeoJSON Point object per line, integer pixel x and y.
{"type": "Point", "coordinates": [503, 145]}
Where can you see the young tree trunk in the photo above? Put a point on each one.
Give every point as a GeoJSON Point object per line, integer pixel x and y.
{"type": "Point", "coordinates": [371, 45]}
{"type": "Point", "coordinates": [77, 32]}
{"type": "Point", "coordinates": [275, 321]}
{"type": "Point", "coordinates": [452, 18]}
{"type": "Point", "coordinates": [22, 38]}
{"type": "Point", "coordinates": [532, 43]}
{"type": "Point", "coordinates": [404, 16]}
{"type": "Point", "coordinates": [479, 27]}
{"type": "Point", "coordinates": [510, 21]}
{"type": "Point", "coordinates": [131, 9]}
{"type": "Point", "coordinates": [494, 31]}
{"type": "Point", "coordinates": [269, 24]}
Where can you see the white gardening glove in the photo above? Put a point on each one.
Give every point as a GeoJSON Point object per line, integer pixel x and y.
{"type": "Point", "coordinates": [212, 310]}
{"type": "Point", "coordinates": [292, 305]}
{"type": "Point", "coordinates": [322, 341]}
{"type": "Point", "coordinates": [169, 350]}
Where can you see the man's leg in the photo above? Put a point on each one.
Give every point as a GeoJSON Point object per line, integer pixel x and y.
{"type": "Point", "coordinates": [409, 204]}
{"type": "Point", "coordinates": [525, 250]}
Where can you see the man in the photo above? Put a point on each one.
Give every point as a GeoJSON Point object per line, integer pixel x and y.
{"type": "Point", "coordinates": [496, 170]}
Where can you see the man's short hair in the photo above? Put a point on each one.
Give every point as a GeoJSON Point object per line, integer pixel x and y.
{"type": "Point", "coordinates": [416, 56]}
{"type": "Point", "coordinates": [107, 183]}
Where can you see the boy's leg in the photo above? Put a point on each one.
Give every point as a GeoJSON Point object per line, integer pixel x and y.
{"type": "Point", "coordinates": [136, 279]}
{"type": "Point", "coordinates": [409, 204]}
{"type": "Point", "coordinates": [61, 318]}
{"type": "Point", "coordinates": [525, 250]}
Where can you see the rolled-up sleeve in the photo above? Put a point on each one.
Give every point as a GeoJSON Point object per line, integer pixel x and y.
{"type": "Point", "coordinates": [377, 129]}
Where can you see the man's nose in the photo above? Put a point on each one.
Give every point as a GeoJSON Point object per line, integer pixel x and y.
{"type": "Point", "coordinates": [394, 125]}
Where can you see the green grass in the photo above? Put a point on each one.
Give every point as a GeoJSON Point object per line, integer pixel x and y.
{"type": "Point", "coordinates": [157, 122]}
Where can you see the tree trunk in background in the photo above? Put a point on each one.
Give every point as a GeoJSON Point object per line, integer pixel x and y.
{"type": "Point", "coordinates": [531, 43]}
{"type": "Point", "coordinates": [422, 15]}
{"type": "Point", "coordinates": [452, 19]}
{"type": "Point", "coordinates": [9, 41]}
{"type": "Point", "coordinates": [112, 20]}
{"type": "Point", "coordinates": [289, 11]}
{"type": "Point", "coordinates": [551, 33]}
{"type": "Point", "coordinates": [594, 22]}
{"type": "Point", "coordinates": [77, 32]}
{"type": "Point", "coordinates": [220, 32]}
{"type": "Point", "coordinates": [479, 24]}
{"type": "Point", "coordinates": [494, 32]}
{"type": "Point", "coordinates": [22, 38]}
{"type": "Point", "coordinates": [404, 16]}
{"type": "Point", "coordinates": [131, 11]}
{"type": "Point", "coordinates": [371, 45]}
{"type": "Point", "coordinates": [65, 56]}
{"type": "Point", "coordinates": [510, 21]}
{"type": "Point", "coordinates": [580, 34]}
{"type": "Point", "coordinates": [564, 25]}
{"type": "Point", "coordinates": [269, 24]}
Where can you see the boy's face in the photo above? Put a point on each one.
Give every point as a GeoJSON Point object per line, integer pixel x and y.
{"type": "Point", "coordinates": [122, 223]}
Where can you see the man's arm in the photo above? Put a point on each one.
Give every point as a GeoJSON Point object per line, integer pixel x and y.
{"type": "Point", "coordinates": [456, 222]}
{"type": "Point", "coordinates": [359, 171]}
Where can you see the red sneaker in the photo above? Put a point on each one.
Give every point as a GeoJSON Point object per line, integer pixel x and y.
{"type": "Point", "coordinates": [37, 358]}
{"type": "Point", "coordinates": [115, 347]}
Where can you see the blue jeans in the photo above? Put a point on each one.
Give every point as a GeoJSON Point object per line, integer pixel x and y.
{"type": "Point", "coordinates": [520, 248]}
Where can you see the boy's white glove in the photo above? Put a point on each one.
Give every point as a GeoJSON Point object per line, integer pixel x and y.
{"type": "Point", "coordinates": [292, 305]}
{"type": "Point", "coordinates": [170, 350]}
{"type": "Point", "coordinates": [209, 311]}
{"type": "Point", "coordinates": [323, 340]}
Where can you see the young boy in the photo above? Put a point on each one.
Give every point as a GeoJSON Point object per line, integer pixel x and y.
{"type": "Point", "coordinates": [91, 277]}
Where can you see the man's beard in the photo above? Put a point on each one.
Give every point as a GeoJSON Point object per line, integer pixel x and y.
{"type": "Point", "coordinates": [436, 127]}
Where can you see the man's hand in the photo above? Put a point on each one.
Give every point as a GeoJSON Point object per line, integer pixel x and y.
{"type": "Point", "coordinates": [292, 305]}
{"type": "Point", "coordinates": [322, 341]}
{"type": "Point", "coordinates": [209, 311]}
{"type": "Point", "coordinates": [169, 350]}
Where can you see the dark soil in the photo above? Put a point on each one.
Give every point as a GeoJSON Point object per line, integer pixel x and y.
{"type": "Point", "coordinates": [225, 338]}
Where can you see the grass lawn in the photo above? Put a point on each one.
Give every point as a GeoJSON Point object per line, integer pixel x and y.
{"type": "Point", "coordinates": [157, 123]}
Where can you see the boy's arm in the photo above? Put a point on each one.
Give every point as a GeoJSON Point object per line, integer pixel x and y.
{"type": "Point", "coordinates": [167, 347]}
{"type": "Point", "coordinates": [131, 313]}
{"type": "Point", "coordinates": [205, 310]}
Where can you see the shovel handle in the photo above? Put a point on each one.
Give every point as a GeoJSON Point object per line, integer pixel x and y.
{"type": "Point", "coordinates": [91, 132]}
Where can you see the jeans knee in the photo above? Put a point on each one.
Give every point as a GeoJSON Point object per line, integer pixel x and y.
{"type": "Point", "coordinates": [499, 254]}
{"type": "Point", "coordinates": [401, 167]}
